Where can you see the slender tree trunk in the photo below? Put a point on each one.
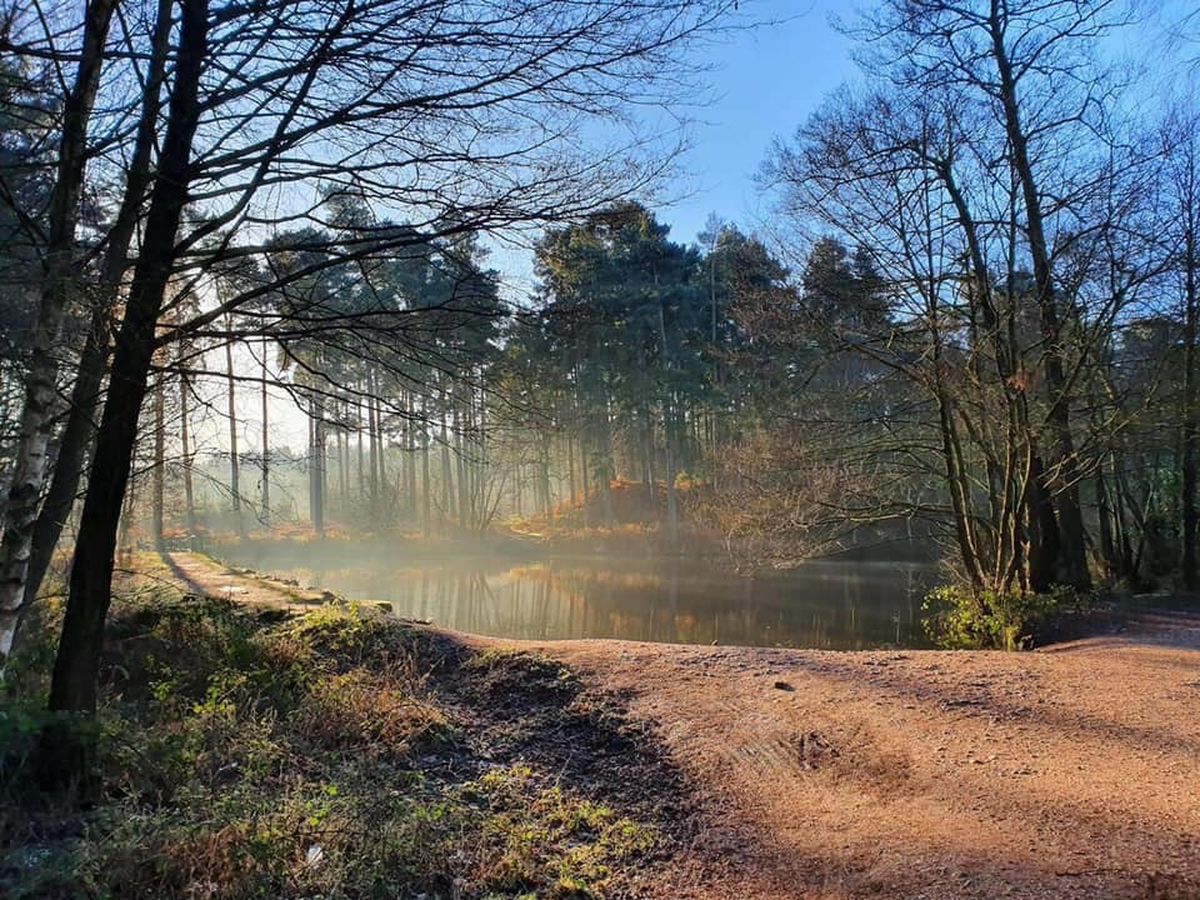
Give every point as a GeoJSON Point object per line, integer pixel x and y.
{"type": "Point", "coordinates": [235, 483]}
{"type": "Point", "coordinates": [66, 751]}
{"type": "Point", "coordinates": [571, 470]}
{"type": "Point", "coordinates": [544, 475]}
{"type": "Point", "coordinates": [323, 458]}
{"type": "Point", "coordinates": [426, 489]}
{"type": "Point", "coordinates": [649, 452]}
{"type": "Point", "coordinates": [37, 415]}
{"type": "Point", "coordinates": [716, 363]}
{"type": "Point", "coordinates": [317, 467]}
{"type": "Point", "coordinates": [312, 468]}
{"type": "Point", "coordinates": [266, 444]}
{"type": "Point", "coordinates": [79, 429]}
{"type": "Point", "coordinates": [189, 494]}
{"type": "Point", "coordinates": [460, 462]}
{"type": "Point", "coordinates": [410, 457]}
{"type": "Point", "coordinates": [373, 445]}
{"type": "Point", "coordinates": [446, 492]}
{"type": "Point", "coordinates": [343, 468]}
{"type": "Point", "coordinates": [381, 440]}
{"type": "Point", "coordinates": [1108, 547]}
{"type": "Point", "coordinates": [518, 488]}
{"type": "Point", "coordinates": [1191, 406]}
{"type": "Point", "coordinates": [361, 472]}
{"type": "Point", "coordinates": [160, 441]}
{"type": "Point", "coordinates": [669, 430]}
{"type": "Point", "coordinates": [583, 474]}
{"type": "Point", "coordinates": [605, 470]}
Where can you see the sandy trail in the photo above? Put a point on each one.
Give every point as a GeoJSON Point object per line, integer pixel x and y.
{"type": "Point", "coordinates": [1071, 772]}
{"type": "Point", "coordinates": [196, 573]}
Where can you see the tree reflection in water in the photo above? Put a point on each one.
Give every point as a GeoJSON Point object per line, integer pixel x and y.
{"type": "Point", "coordinates": [834, 605]}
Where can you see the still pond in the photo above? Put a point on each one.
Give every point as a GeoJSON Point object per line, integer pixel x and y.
{"type": "Point", "coordinates": [830, 605]}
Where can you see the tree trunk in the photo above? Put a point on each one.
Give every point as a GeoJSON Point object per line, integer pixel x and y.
{"type": "Point", "coordinates": [72, 448]}
{"type": "Point", "coordinates": [583, 474]}
{"type": "Point", "coordinates": [605, 468]}
{"type": "Point", "coordinates": [446, 492]}
{"type": "Point", "coordinates": [160, 441]}
{"type": "Point", "coordinates": [66, 752]}
{"type": "Point", "coordinates": [373, 444]}
{"type": "Point", "coordinates": [189, 494]}
{"type": "Point", "coordinates": [426, 518]}
{"type": "Point", "coordinates": [235, 483]}
{"type": "Point", "coordinates": [1191, 408]}
{"type": "Point", "coordinates": [669, 431]}
{"type": "Point", "coordinates": [343, 443]}
{"type": "Point", "coordinates": [410, 458]}
{"type": "Point", "coordinates": [1042, 528]}
{"type": "Point", "coordinates": [570, 471]}
{"type": "Point", "coordinates": [381, 441]}
{"type": "Point", "coordinates": [1072, 543]}
{"type": "Point", "coordinates": [460, 463]}
{"type": "Point", "coordinates": [361, 472]}
{"type": "Point", "coordinates": [266, 444]}
{"type": "Point", "coordinates": [518, 489]}
{"type": "Point", "coordinates": [79, 429]}
{"type": "Point", "coordinates": [37, 415]}
{"type": "Point", "coordinates": [316, 499]}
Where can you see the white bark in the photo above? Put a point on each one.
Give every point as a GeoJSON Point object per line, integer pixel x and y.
{"type": "Point", "coordinates": [37, 416]}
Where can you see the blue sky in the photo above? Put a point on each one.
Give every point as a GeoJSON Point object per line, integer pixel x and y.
{"type": "Point", "coordinates": [766, 82]}
{"type": "Point", "coordinates": [763, 82]}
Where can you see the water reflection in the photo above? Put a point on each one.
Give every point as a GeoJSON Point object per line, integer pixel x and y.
{"type": "Point", "coordinates": [822, 605]}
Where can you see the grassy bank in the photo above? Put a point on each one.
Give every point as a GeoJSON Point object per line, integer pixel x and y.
{"type": "Point", "coordinates": [255, 752]}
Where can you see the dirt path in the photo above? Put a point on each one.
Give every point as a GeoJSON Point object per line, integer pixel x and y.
{"type": "Point", "coordinates": [1073, 772]}
{"type": "Point", "coordinates": [196, 573]}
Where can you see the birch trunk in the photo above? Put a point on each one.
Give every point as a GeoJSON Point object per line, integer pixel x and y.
{"type": "Point", "coordinates": [37, 415]}
{"type": "Point", "coordinates": [66, 752]}
{"type": "Point", "coordinates": [79, 430]}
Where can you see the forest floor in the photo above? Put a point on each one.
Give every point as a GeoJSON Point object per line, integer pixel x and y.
{"type": "Point", "coordinates": [1066, 772]}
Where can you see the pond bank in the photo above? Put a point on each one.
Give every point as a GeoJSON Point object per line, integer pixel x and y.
{"type": "Point", "coordinates": [1067, 772]}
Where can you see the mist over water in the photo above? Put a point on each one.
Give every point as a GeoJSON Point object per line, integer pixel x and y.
{"type": "Point", "coordinates": [829, 605]}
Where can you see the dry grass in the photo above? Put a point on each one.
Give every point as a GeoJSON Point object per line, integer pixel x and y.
{"type": "Point", "coordinates": [362, 712]}
{"type": "Point", "coordinates": [255, 755]}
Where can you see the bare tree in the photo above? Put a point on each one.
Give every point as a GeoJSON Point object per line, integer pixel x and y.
{"type": "Point", "coordinates": [460, 117]}
{"type": "Point", "coordinates": [1182, 143]}
{"type": "Point", "coordinates": [60, 256]}
{"type": "Point", "coordinates": [987, 181]}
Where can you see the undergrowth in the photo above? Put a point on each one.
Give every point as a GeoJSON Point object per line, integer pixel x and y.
{"type": "Point", "coordinates": [263, 755]}
{"type": "Point", "coordinates": [957, 618]}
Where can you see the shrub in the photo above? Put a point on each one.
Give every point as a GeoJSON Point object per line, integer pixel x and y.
{"type": "Point", "coordinates": [960, 619]}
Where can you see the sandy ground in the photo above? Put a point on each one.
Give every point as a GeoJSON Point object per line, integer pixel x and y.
{"type": "Point", "coordinates": [1070, 772]}
{"type": "Point", "coordinates": [200, 574]}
